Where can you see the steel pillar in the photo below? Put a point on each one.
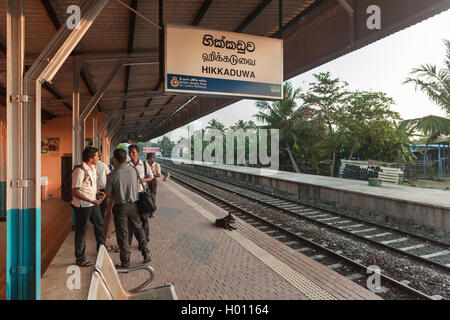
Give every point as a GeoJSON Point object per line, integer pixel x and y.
{"type": "Point", "coordinates": [77, 125]}
{"type": "Point", "coordinates": [95, 138]}
{"type": "Point", "coordinates": [23, 201]}
{"type": "Point", "coordinates": [439, 159]}
{"type": "Point", "coordinates": [23, 230]}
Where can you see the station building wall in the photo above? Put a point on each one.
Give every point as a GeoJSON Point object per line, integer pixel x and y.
{"type": "Point", "coordinates": [61, 128]}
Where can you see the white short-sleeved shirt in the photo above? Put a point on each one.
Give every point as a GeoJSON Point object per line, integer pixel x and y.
{"type": "Point", "coordinates": [102, 170]}
{"type": "Point", "coordinates": [156, 168]}
{"type": "Point", "coordinates": [88, 186]}
{"type": "Point", "coordinates": [141, 171]}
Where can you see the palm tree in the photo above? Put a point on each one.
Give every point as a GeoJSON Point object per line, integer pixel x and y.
{"type": "Point", "coordinates": [433, 82]}
{"type": "Point", "coordinates": [251, 125]}
{"type": "Point", "coordinates": [241, 124]}
{"type": "Point", "coordinates": [281, 115]}
{"type": "Point", "coordinates": [216, 125]}
{"type": "Point", "coordinates": [431, 126]}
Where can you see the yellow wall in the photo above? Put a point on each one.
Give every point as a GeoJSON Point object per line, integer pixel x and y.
{"type": "Point", "coordinates": [61, 128]}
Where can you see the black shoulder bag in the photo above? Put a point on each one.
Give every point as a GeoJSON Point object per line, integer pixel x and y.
{"type": "Point", "coordinates": [146, 202]}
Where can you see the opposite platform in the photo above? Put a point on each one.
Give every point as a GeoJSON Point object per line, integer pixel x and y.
{"type": "Point", "coordinates": [408, 206]}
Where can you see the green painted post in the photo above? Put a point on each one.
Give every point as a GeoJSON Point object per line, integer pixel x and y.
{"type": "Point", "coordinates": [23, 255]}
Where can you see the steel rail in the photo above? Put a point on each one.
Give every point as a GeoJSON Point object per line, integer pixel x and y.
{"type": "Point", "coordinates": [317, 246]}
{"type": "Point", "coordinates": [362, 238]}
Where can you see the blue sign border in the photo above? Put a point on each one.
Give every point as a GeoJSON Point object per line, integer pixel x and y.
{"type": "Point", "coordinates": [183, 83]}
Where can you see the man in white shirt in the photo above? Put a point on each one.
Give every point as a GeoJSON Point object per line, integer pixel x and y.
{"type": "Point", "coordinates": [102, 171]}
{"type": "Point", "coordinates": [145, 173]}
{"type": "Point", "coordinates": [156, 170]}
{"type": "Point", "coordinates": [86, 205]}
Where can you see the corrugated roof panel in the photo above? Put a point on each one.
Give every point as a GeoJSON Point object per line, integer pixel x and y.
{"type": "Point", "coordinates": [146, 36]}
{"type": "Point", "coordinates": [228, 15]}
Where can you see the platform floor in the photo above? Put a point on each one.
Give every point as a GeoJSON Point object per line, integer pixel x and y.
{"type": "Point", "coordinates": [206, 262]}
{"type": "Point", "coordinates": [432, 197]}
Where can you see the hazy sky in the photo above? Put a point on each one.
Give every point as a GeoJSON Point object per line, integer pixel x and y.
{"type": "Point", "coordinates": [381, 66]}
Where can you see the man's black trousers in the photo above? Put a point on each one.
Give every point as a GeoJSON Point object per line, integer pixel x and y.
{"type": "Point", "coordinates": [82, 217]}
{"type": "Point", "coordinates": [125, 214]}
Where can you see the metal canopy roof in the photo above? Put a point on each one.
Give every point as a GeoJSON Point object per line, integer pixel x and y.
{"type": "Point", "coordinates": [314, 32]}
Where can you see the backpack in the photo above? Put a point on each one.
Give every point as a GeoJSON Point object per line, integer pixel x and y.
{"type": "Point", "coordinates": [66, 187]}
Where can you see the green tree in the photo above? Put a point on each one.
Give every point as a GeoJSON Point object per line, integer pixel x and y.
{"type": "Point", "coordinates": [362, 110]}
{"type": "Point", "coordinates": [166, 146]}
{"type": "Point", "coordinates": [433, 82]}
{"type": "Point", "coordinates": [325, 97]}
{"type": "Point", "coordinates": [281, 115]}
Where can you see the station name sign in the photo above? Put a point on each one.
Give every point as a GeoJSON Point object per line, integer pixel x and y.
{"type": "Point", "coordinates": [218, 63]}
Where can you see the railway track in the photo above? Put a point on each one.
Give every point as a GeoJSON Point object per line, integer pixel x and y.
{"type": "Point", "coordinates": [354, 270]}
{"type": "Point", "coordinates": [428, 251]}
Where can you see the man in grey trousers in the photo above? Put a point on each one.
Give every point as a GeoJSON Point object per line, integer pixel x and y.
{"type": "Point", "coordinates": [122, 192]}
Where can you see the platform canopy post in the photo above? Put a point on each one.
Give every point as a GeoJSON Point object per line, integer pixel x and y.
{"type": "Point", "coordinates": [77, 124]}
{"type": "Point", "coordinates": [23, 230]}
{"type": "Point", "coordinates": [23, 193]}
{"type": "Point", "coordinates": [94, 129]}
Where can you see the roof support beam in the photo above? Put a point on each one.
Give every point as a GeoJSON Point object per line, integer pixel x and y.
{"type": "Point", "coordinates": [298, 17]}
{"type": "Point", "coordinates": [51, 13]}
{"type": "Point", "coordinates": [149, 123]}
{"type": "Point", "coordinates": [161, 45]}
{"type": "Point", "coordinates": [92, 57]}
{"type": "Point", "coordinates": [132, 95]}
{"type": "Point", "coordinates": [112, 130]}
{"type": "Point", "coordinates": [99, 94]}
{"type": "Point", "coordinates": [47, 86]}
{"type": "Point", "coordinates": [86, 77]}
{"type": "Point", "coordinates": [201, 13]}
{"type": "Point", "coordinates": [23, 196]}
{"type": "Point", "coordinates": [253, 15]}
{"type": "Point", "coordinates": [54, 18]}
{"type": "Point", "coordinates": [45, 115]}
{"type": "Point", "coordinates": [131, 31]}
{"type": "Point", "coordinates": [141, 109]}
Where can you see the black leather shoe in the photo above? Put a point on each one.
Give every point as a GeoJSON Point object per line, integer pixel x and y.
{"type": "Point", "coordinates": [146, 255]}
{"type": "Point", "coordinates": [122, 266]}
